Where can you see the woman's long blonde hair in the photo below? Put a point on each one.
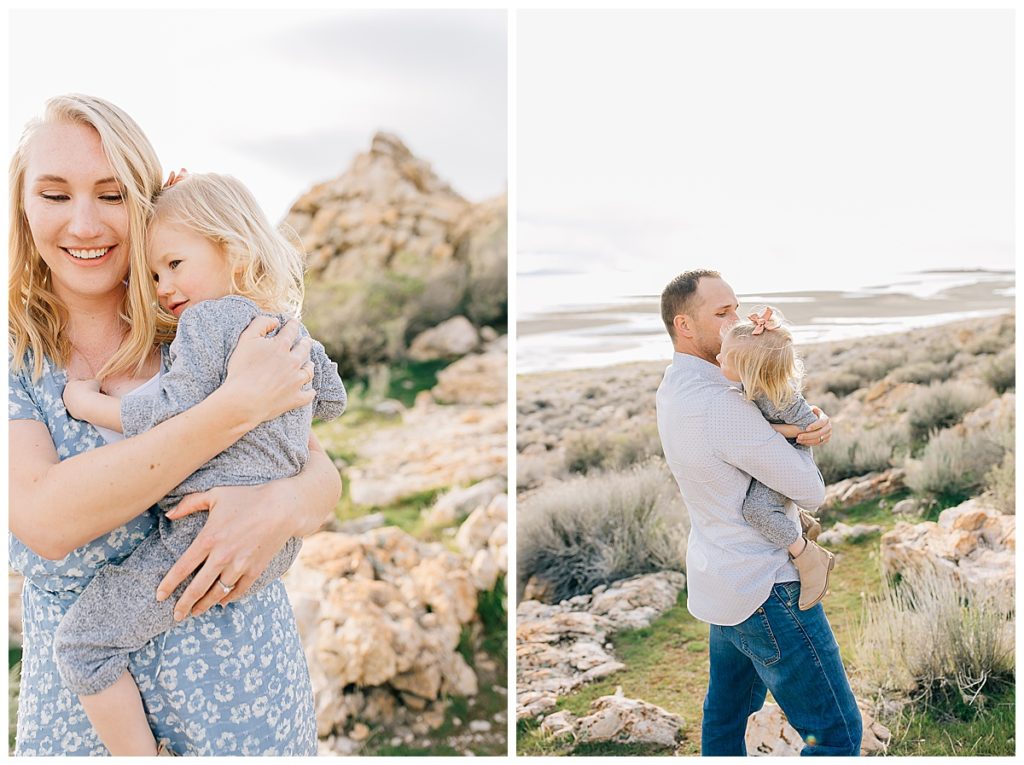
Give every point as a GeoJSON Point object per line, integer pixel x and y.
{"type": "Point", "coordinates": [38, 318]}
{"type": "Point", "coordinates": [767, 362]}
{"type": "Point", "coordinates": [266, 267]}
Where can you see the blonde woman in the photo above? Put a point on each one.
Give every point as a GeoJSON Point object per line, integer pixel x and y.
{"type": "Point", "coordinates": [231, 680]}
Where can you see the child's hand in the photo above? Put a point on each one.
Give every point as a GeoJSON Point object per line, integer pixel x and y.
{"type": "Point", "coordinates": [76, 395]}
{"type": "Point", "coordinates": [787, 431]}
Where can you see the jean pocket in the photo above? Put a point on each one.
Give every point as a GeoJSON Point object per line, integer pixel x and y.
{"type": "Point", "coordinates": [788, 592]}
{"type": "Point", "coordinates": [757, 640]}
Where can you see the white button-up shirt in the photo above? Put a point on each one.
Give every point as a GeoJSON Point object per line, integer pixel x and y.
{"type": "Point", "coordinates": [714, 441]}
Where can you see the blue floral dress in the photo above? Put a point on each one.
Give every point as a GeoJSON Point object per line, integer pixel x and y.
{"type": "Point", "coordinates": [232, 681]}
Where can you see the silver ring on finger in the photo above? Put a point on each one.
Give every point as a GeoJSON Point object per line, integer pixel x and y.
{"type": "Point", "coordinates": [227, 588]}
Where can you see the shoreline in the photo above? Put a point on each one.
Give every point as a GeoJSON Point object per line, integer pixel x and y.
{"type": "Point", "coordinates": [805, 348]}
{"type": "Point", "coordinates": [602, 336]}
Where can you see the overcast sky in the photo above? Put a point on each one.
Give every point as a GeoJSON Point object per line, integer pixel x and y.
{"type": "Point", "coordinates": [281, 99]}
{"type": "Point", "coordinates": [791, 149]}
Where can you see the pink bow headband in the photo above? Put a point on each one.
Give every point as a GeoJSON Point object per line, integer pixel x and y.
{"type": "Point", "coordinates": [761, 322]}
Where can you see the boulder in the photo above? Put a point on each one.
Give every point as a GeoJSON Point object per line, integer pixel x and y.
{"type": "Point", "coordinates": [448, 340]}
{"type": "Point", "coordinates": [479, 379]}
{"type": "Point", "coordinates": [769, 733]}
{"type": "Point", "coordinates": [629, 721]}
{"type": "Point", "coordinates": [842, 533]}
{"type": "Point", "coordinates": [972, 540]}
{"type": "Point", "coordinates": [854, 491]}
{"type": "Point", "coordinates": [380, 616]}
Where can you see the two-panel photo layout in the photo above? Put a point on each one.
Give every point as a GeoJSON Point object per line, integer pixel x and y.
{"type": "Point", "coordinates": [707, 450]}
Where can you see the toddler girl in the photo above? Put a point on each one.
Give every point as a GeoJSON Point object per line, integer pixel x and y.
{"type": "Point", "coordinates": [217, 263]}
{"type": "Point", "coordinates": [759, 354]}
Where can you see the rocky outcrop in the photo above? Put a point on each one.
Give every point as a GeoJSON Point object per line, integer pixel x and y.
{"type": "Point", "coordinates": [480, 379]}
{"type": "Point", "coordinates": [393, 251]}
{"type": "Point", "coordinates": [448, 340]}
{"type": "Point", "coordinates": [973, 540]}
{"type": "Point", "coordinates": [620, 720]}
{"type": "Point", "coordinates": [436, 447]}
{"type": "Point", "coordinates": [769, 733]}
{"type": "Point", "coordinates": [854, 491]}
{"type": "Point", "coordinates": [380, 617]}
{"type": "Point", "coordinates": [561, 647]}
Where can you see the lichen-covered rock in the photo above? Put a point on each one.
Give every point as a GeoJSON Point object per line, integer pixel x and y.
{"type": "Point", "coordinates": [629, 721]}
{"type": "Point", "coordinates": [769, 733]}
{"type": "Point", "coordinates": [448, 340]}
{"type": "Point", "coordinates": [854, 491]}
{"type": "Point", "coordinates": [841, 533]}
{"type": "Point", "coordinates": [972, 540]}
{"type": "Point", "coordinates": [380, 616]}
{"type": "Point", "coordinates": [480, 378]}
{"type": "Point", "coordinates": [560, 647]}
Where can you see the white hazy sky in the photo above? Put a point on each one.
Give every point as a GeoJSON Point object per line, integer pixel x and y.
{"type": "Point", "coordinates": [281, 99]}
{"type": "Point", "coordinates": [789, 149]}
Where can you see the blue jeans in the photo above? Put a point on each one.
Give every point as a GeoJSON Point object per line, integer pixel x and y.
{"type": "Point", "coordinates": [794, 654]}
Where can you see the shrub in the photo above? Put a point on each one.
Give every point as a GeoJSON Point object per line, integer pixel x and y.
{"type": "Point", "coordinates": [954, 464]}
{"type": "Point", "coordinates": [1000, 372]}
{"type": "Point", "coordinates": [842, 383]}
{"type": "Point", "coordinates": [611, 450]}
{"type": "Point", "coordinates": [584, 452]}
{"type": "Point", "coordinates": [922, 372]}
{"type": "Point", "coordinates": [928, 636]}
{"type": "Point", "coordinates": [943, 404]}
{"type": "Point", "coordinates": [854, 450]}
{"type": "Point", "coordinates": [1001, 481]}
{"type": "Point", "coordinates": [594, 530]}
{"type": "Point", "coordinates": [875, 365]}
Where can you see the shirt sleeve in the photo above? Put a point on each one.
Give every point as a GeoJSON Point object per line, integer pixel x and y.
{"type": "Point", "coordinates": [330, 398]}
{"type": "Point", "coordinates": [21, 401]}
{"type": "Point", "coordinates": [741, 436]}
{"type": "Point", "coordinates": [207, 334]}
{"type": "Point", "coordinates": [798, 412]}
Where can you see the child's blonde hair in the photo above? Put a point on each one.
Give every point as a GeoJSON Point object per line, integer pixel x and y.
{"type": "Point", "coordinates": [766, 362]}
{"type": "Point", "coordinates": [265, 266]}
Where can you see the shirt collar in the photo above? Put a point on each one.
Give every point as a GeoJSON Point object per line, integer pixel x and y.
{"type": "Point", "coordinates": [695, 365]}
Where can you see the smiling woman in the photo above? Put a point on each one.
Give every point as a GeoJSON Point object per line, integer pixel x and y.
{"type": "Point", "coordinates": [82, 183]}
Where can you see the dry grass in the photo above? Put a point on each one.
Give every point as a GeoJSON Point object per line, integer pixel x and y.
{"type": "Point", "coordinates": [928, 638]}
{"type": "Point", "coordinates": [856, 450]}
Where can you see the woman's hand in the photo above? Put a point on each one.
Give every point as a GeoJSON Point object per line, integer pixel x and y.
{"type": "Point", "coordinates": [817, 433]}
{"type": "Point", "coordinates": [266, 375]}
{"type": "Point", "coordinates": [247, 527]}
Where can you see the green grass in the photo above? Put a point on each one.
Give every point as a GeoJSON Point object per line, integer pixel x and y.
{"type": "Point", "coordinates": [667, 665]}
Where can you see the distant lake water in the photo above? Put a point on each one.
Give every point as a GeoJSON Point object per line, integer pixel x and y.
{"type": "Point", "coordinates": [558, 328]}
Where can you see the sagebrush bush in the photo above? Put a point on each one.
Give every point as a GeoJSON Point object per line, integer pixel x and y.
{"type": "Point", "coordinates": [941, 405]}
{"type": "Point", "coordinates": [596, 529]}
{"type": "Point", "coordinates": [922, 372]}
{"type": "Point", "coordinates": [1001, 481]}
{"type": "Point", "coordinates": [841, 383]}
{"type": "Point", "coordinates": [875, 365]}
{"type": "Point", "coordinates": [611, 450]}
{"type": "Point", "coordinates": [928, 636]}
{"type": "Point", "coordinates": [855, 450]}
{"type": "Point", "coordinates": [954, 464]}
{"type": "Point", "coordinates": [1000, 372]}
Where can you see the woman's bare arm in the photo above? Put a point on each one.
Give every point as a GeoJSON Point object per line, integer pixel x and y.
{"type": "Point", "coordinates": [59, 505]}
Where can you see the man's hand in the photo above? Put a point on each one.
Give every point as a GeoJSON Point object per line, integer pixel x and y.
{"type": "Point", "coordinates": [817, 433]}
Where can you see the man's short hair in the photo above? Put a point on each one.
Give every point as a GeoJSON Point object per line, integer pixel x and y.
{"type": "Point", "coordinates": [679, 296]}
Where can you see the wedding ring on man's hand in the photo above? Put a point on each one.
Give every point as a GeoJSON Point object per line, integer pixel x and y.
{"type": "Point", "coordinates": [225, 587]}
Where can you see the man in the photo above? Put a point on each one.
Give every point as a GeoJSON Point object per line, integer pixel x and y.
{"type": "Point", "coordinates": [745, 587]}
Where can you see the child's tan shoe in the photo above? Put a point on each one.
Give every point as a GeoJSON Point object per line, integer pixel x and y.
{"type": "Point", "coordinates": [814, 564]}
{"type": "Point", "coordinates": [809, 525]}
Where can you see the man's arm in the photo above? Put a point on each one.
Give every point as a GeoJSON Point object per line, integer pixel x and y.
{"type": "Point", "coordinates": [743, 438]}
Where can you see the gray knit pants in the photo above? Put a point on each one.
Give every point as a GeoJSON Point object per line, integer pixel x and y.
{"type": "Point", "coordinates": [118, 612]}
